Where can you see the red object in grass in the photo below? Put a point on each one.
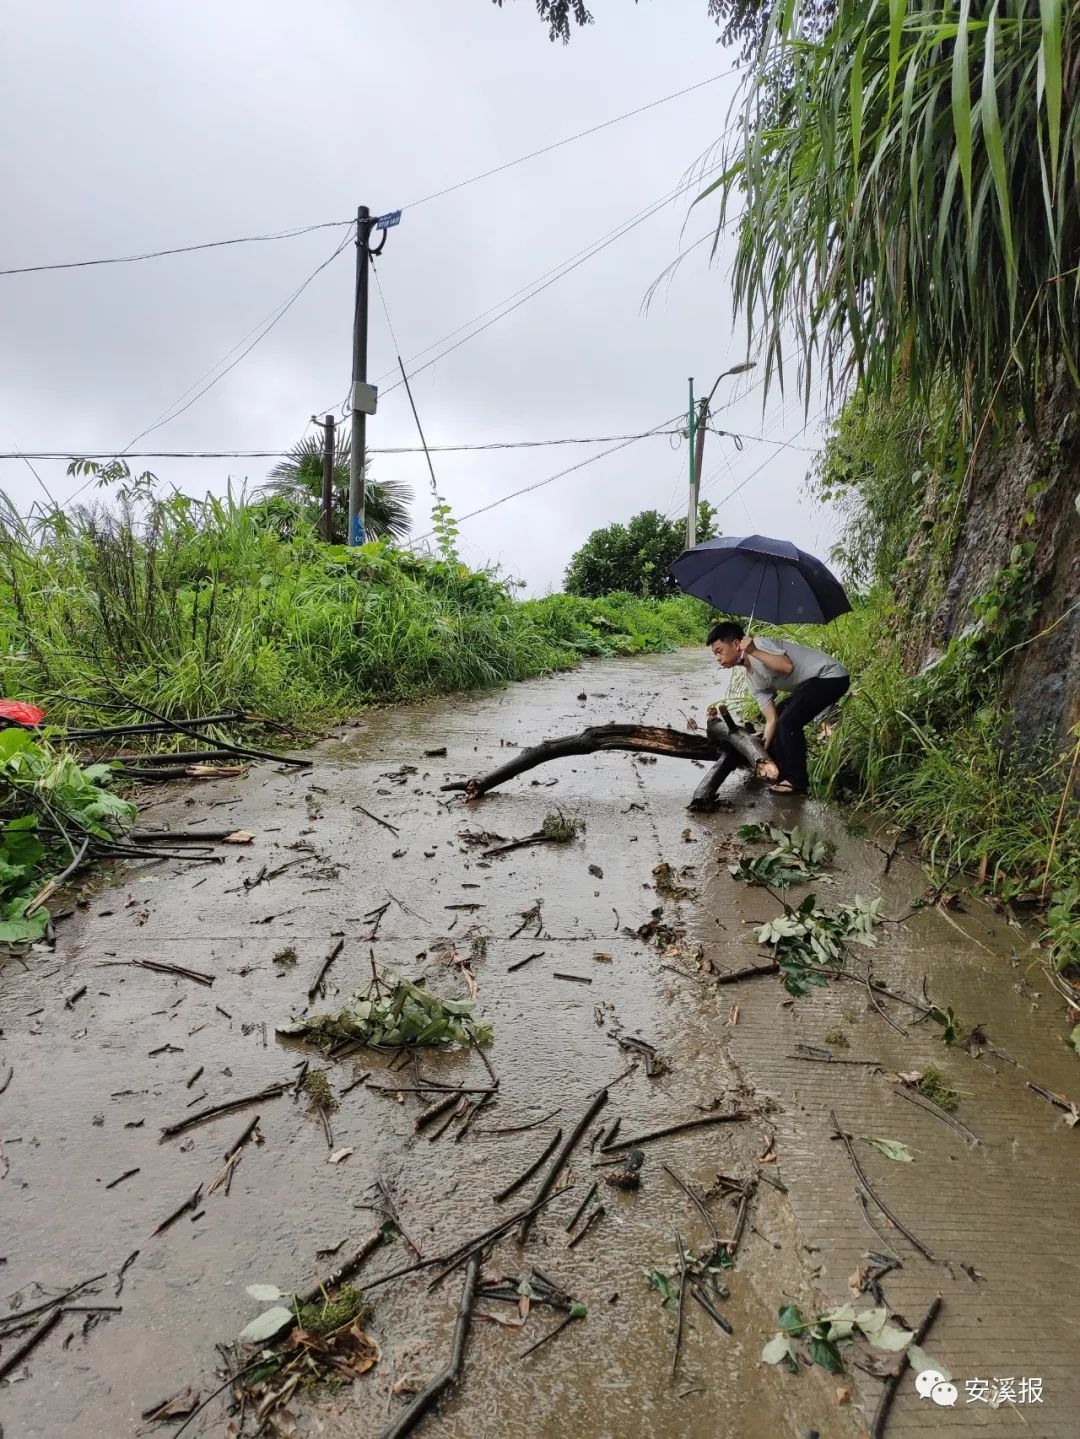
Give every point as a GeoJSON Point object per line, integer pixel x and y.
{"type": "Point", "coordinates": [16, 712]}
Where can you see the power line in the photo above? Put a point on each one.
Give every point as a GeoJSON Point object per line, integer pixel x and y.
{"type": "Point", "coordinates": [559, 273]}
{"type": "Point", "coordinates": [743, 483]}
{"type": "Point", "coordinates": [334, 224]}
{"type": "Point", "coordinates": [581, 135]}
{"type": "Point", "coordinates": [384, 450]}
{"type": "Point", "coordinates": [539, 484]}
{"type": "Point", "coordinates": [264, 327]}
{"type": "Point", "coordinates": [281, 454]}
{"type": "Point", "coordinates": [178, 249]}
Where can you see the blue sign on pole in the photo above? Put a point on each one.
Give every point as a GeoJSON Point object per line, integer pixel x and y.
{"type": "Point", "coordinates": [358, 536]}
{"type": "Point", "coordinates": [388, 221]}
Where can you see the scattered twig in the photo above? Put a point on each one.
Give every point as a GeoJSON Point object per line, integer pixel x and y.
{"type": "Point", "coordinates": [73, 999]}
{"type": "Point", "coordinates": [682, 1300]}
{"type": "Point", "coordinates": [515, 1184]}
{"type": "Point", "coordinates": [551, 1334]}
{"type": "Point", "coordinates": [521, 1128]}
{"type": "Point", "coordinates": [521, 963]}
{"type": "Point", "coordinates": [345, 1271]}
{"type": "Point", "coordinates": [561, 1155]}
{"type": "Point", "coordinates": [750, 972]}
{"type": "Point", "coordinates": [7, 1079]}
{"type": "Point", "coordinates": [593, 1218]}
{"type": "Point", "coordinates": [128, 1262]}
{"type": "Point", "coordinates": [161, 967]}
{"type": "Point", "coordinates": [385, 823]}
{"type": "Point", "coordinates": [127, 1174]}
{"type": "Point", "coordinates": [430, 1395]}
{"type": "Point", "coordinates": [861, 1177]}
{"type": "Point", "coordinates": [697, 1203]}
{"type": "Point", "coordinates": [317, 982]}
{"type": "Point", "coordinates": [194, 1077]}
{"type": "Point", "coordinates": [391, 1210]}
{"type": "Point", "coordinates": [9, 1321]}
{"type": "Point", "coordinates": [699, 1294]}
{"type": "Point", "coordinates": [273, 1091]}
{"type": "Point", "coordinates": [684, 1124]}
{"type": "Point", "coordinates": [892, 1383]}
{"type": "Point", "coordinates": [16, 1357]}
{"type": "Point", "coordinates": [1058, 1100]}
{"type": "Point", "coordinates": [574, 978]}
{"type": "Point", "coordinates": [914, 1097]}
{"type": "Point", "coordinates": [580, 1210]}
{"type": "Point", "coordinates": [188, 1204]}
{"type": "Point", "coordinates": [433, 1111]}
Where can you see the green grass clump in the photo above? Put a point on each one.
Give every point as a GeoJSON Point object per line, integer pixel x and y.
{"type": "Point", "coordinates": [317, 1088]}
{"type": "Point", "coordinates": [347, 1306]}
{"type": "Point", "coordinates": [559, 828]}
{"type": "Point", "coordinates": [935, 1085]}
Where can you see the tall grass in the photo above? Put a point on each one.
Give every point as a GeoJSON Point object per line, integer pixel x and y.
{"type": "Point", "coordinates": [954, 773]}
{"type": "Point", "coordinates": [202, 606]}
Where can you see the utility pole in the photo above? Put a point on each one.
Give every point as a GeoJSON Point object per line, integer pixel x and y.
{"type": "Point", "coordinates": [356, 534]}
{"type": "Point", "coordinates": [696, 427]}
{"type": "Point", "coordinates": [695, 471]}
{"type": "Point", "coordinates": [691, 511]}
{"type": "Point", "coordinates": [326, 509]}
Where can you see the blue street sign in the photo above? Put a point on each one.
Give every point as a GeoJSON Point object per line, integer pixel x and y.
{"type": "Point", "coordinates": [388, 221]}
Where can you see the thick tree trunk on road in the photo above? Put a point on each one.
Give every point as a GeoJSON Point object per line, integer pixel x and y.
{"type": "Point", "coordinates": [742, 748]}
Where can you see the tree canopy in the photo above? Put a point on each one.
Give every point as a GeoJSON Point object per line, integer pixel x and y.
{"type": "Point", "coordinates": [742, 21]}
{"type": "Point", "coordinates": [635, 556]}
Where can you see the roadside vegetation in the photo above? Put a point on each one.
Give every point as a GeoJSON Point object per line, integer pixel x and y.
{"type": "Point", "coordinates": [216, 606]}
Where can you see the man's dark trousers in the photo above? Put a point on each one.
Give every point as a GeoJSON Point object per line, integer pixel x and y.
{"type": "Point", "coordinates": [794, 714]}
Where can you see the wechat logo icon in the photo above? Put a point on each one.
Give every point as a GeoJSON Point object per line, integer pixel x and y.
{"type": "Point", "coordinates": [932, 1384]}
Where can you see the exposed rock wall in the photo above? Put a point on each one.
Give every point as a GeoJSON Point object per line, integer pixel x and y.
{"type": "Point", "coordinates": [1026, 488]}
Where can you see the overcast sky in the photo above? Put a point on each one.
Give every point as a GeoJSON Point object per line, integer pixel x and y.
{"type": "Point", "coordinates": [136, 126]}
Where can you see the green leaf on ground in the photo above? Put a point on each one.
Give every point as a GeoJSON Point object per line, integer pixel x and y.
{"type": "Point", "coordinates": [269, 1323]}
{"type": "Point", "coordinates": [779, 1347]}
{"type": "Point", "coordinates": [891, 1148]}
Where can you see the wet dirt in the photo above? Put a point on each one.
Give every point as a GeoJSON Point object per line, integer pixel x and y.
{"type": "Point", "coordinates": [93, 1085]}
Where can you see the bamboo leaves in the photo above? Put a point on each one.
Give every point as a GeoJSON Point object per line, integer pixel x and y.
{"type": "Point", "coordinates": [895, 167]}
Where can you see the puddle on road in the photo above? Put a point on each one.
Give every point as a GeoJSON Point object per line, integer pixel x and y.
{"type": "Point", "coordinates": [94, 1084]}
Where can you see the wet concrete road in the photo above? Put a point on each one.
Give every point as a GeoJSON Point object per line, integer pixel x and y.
{"type": "Point", "coordinates": [94, 1083]}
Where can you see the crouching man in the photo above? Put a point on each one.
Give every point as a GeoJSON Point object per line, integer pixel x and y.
{"type": "Point", "coordinates": [812, 679]}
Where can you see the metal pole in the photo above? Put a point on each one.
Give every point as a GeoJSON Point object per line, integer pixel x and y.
{"type": "Point", "coordinates": [326, 510]}
{"type": "Point", "coordinates": [691, 512]}
{"type": "Point", "coordinates": [359, 375]}
{"type": "Point", "coordinates": [699, 456]}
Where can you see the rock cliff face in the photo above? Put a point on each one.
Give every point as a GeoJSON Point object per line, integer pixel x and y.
{"type": "Point", "coordinates": [1027, 488]}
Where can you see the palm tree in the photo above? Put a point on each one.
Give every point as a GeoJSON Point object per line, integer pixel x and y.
{"type": "Point", "coordinates": [297, 478]}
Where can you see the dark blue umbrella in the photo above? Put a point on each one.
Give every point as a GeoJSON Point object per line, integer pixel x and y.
{"type": "Point", "coordinates": [770, 580]}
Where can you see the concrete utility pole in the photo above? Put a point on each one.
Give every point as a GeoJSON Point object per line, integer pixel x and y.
{"type": "Point", "coordinates": [356, 533]}
{"type": "Point", "coordinates": [696, 426]}
{"type": "Point", "coordinates": [695, 471]}
{"type": "Point", "coordinates": [691, 512]}
{"type": "Point", "coordinates": [326, 509]}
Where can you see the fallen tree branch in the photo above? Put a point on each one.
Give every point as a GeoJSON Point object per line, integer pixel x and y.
{"type": "Point", "coordinates": [160, 966]}
{"type": "Point", "coordinates": [430, 1395]}
{"type": "Point", "coordinates": [638, 739]}
{"type": "Point", "coordinates": [892, 1383]}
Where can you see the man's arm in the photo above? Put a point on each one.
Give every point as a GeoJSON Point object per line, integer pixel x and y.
{"type": "Point", "coordinates": [775, 660]}
{"type": "Point", "coordinates": [768, 710]}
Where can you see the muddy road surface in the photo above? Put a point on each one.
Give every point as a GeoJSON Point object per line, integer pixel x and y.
{"type": "Point", "coordinates": [103, 1056]}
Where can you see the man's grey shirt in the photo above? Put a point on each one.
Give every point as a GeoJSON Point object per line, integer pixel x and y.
{"type": "Point", "coordinates": [808, 664]}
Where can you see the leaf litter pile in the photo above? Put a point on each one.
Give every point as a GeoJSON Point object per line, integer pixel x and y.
{"type": "Point", "coordinates": [394, 1013]}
